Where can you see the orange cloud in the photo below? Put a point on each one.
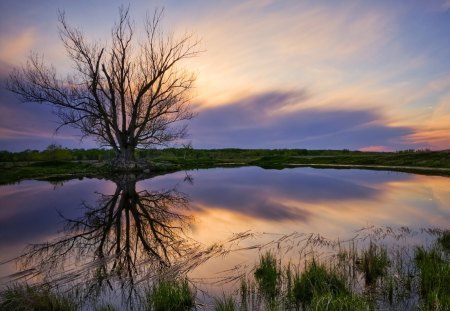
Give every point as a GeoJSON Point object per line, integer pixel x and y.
{"type": "Point", "coordinates": [13, 49]}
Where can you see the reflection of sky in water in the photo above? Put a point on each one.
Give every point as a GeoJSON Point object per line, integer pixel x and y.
{"type": "Point", "coordinates": [225, 201]}
{"type": "Point", "coordinates": [333, 202]}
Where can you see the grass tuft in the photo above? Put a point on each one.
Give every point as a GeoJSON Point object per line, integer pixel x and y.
{"type": "Point", "coordinates": [226, 303]}
{"type": "Point", "coordinates": [25, 297]}
{"type": "Point", "coordinates": [173, 295]}
{"type": "Point", "coordinates": [373, 263]}
{"type": "Point", "coordinates": [444, 240]}
{"type": "Point", "coordinates": [316, 281]}
{"type": "Point", "coordinates": [329, 302]}
{"type": "Point", "coordinates": [434, 272]}
{"type": "Point", "coordinates": [267, 275]}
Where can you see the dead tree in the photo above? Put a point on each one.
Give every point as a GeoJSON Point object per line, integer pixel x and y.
{"type": "Point", "coordinates": [127, 94]}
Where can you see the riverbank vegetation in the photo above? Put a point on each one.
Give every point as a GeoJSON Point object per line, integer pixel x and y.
{"type": "Point", "coordinates": [58, 162]}
{"type": "Point", "coordinates": [377, 276]}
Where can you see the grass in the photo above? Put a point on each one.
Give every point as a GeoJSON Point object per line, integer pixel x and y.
{"type": "Point", "coordinates": [444, 240]}
{"type": "Point", "coordinates": [226, 303]}
{"type": "Point", "coordinates": [317, 281]}
{"type": "Point", "coordinates": [400, 279]}
{"type": "Point", "coordinates": [345, 302]}
{"type": "Point", "coordinates": [434, 271]}
{"type": "Point", "coordinates": [171, 295]}
{"type": "Point", "coordinates": [171, 159]}
{"type": "Point", "coordinates": [25, 298]}
{"type": "Point", "coordinates": [373, 263]}
{"type": "Point", "coordinates": [267, 276]}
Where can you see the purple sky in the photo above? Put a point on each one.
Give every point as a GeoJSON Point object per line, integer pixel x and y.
{"type": "Point", "coordinates": [367, 75]}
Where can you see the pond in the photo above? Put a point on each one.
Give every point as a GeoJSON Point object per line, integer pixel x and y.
{"type": "Point", "coordinates": [212, 225]}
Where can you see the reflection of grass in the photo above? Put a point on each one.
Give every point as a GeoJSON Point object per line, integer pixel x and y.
{"type": "Point", "coordinates": [171, 295]}
{"type": "Point", "coordinates": [24, 297]}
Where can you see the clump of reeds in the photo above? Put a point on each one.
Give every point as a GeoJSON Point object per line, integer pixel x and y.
{"type": "Point", "coordinates": [444, 240]}
{"type": "Point", "coordinates": [25, 297]}
{"type": "Point", "coordinates": [341, 302]}
{"type": "Point", "coordinates": [317, 281]}
{"type": "Point", "coordinates": [226, 303]}
{"type": "Point", "coordinates": [434, 271]}
{"type": "Point", "coordinates": [171, 295]}
{"type": "Point", "coordinates": [267, 276]}
{"type": "Point", "coordinates": [373, 263]}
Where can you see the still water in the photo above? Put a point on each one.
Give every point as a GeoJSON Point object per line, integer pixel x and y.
{"type": "Point", "coordinates": [207, 223]}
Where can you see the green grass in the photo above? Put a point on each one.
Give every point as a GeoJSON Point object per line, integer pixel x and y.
{"type": "Point", "coordinates": [25, 165]}
{"type": "Point", "coordinates": [25, 298]}
{"type": "Point", "coordinates": [171, 295]}
{"type": "Point", "coordinates": [317, 281]}
{"type": "Point", "coordinates": [267, 276]}
{"type": "Point", "coordinates": [226, 303]}
{"type": "Point", "coordinates": [373, 263]}
{"type": "Point", "coordinates": [434, 271]}
{"type": "Point", "coordinates": [345, 302]}
{"type": "Point", "coordinates": [444, 240]}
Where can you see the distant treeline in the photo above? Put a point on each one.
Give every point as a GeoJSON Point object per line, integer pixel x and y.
{"type": "Point", "coordinates": [57, 153]}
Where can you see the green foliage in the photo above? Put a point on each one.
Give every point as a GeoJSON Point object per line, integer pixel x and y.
{"type": "Point", "coordinates": [267, 275]}
{"type": "Point", "coordinates": [434, 270]}
{"type": "Point", "coordinates": [346, 302]}
{"type": "Point", "coordinates": [444, 240]}
{"type": "Point", "coordinates": [373, 263]}
{"type": "Point", "coordinates": [226, 303]}
{"type": "Point", "coordinates": [171, 295]}
{"type": "Point", "coordinates": [317, 280]}
{"type": "Point", "coordinates": [26, 298]}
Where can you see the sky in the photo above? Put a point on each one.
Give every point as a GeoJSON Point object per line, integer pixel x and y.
{"type": "Point", "coordinates": [359, 75]}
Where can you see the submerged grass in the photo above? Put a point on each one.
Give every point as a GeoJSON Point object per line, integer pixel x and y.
{"type": "Point", "coordinates": [24, 297]}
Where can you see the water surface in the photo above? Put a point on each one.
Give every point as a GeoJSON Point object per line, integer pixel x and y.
{"type": "Point", "coordinates": [143, 226]}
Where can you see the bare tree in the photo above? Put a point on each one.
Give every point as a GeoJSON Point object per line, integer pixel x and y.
{"type": "Point", "coordinates": [127, 94]}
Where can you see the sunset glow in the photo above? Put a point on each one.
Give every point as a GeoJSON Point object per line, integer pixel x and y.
{"type": "Point", "coordinates": [360, 75]}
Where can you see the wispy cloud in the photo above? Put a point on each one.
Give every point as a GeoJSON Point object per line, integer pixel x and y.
{"type": "Point", "coordinates": [262, 122]}
{"type": "Point", "coordinates": [15, 48]}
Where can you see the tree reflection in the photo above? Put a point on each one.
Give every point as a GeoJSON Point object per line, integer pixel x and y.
{"type": "Point", "coordinates": [127, 236]}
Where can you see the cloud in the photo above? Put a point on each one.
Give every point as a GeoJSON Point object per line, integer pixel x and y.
{"type": "Point", "coordinates": [14, 48]}
{"type": "Point", "coordinates": [266, 121]}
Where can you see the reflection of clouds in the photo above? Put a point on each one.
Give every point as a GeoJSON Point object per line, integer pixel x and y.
{"type": "Point", "coordinates": [32, 207]}
{"type": "Point", "coordinates": [289, 194]}
{"type": "Point", "coordinates": [261, 122]}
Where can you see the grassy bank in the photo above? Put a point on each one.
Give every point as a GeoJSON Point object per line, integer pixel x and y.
{"type": "Point", "coordinates": [74, 163]}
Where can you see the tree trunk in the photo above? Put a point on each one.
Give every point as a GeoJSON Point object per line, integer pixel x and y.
{"type": "Point", "coordinates": [125, 159]}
